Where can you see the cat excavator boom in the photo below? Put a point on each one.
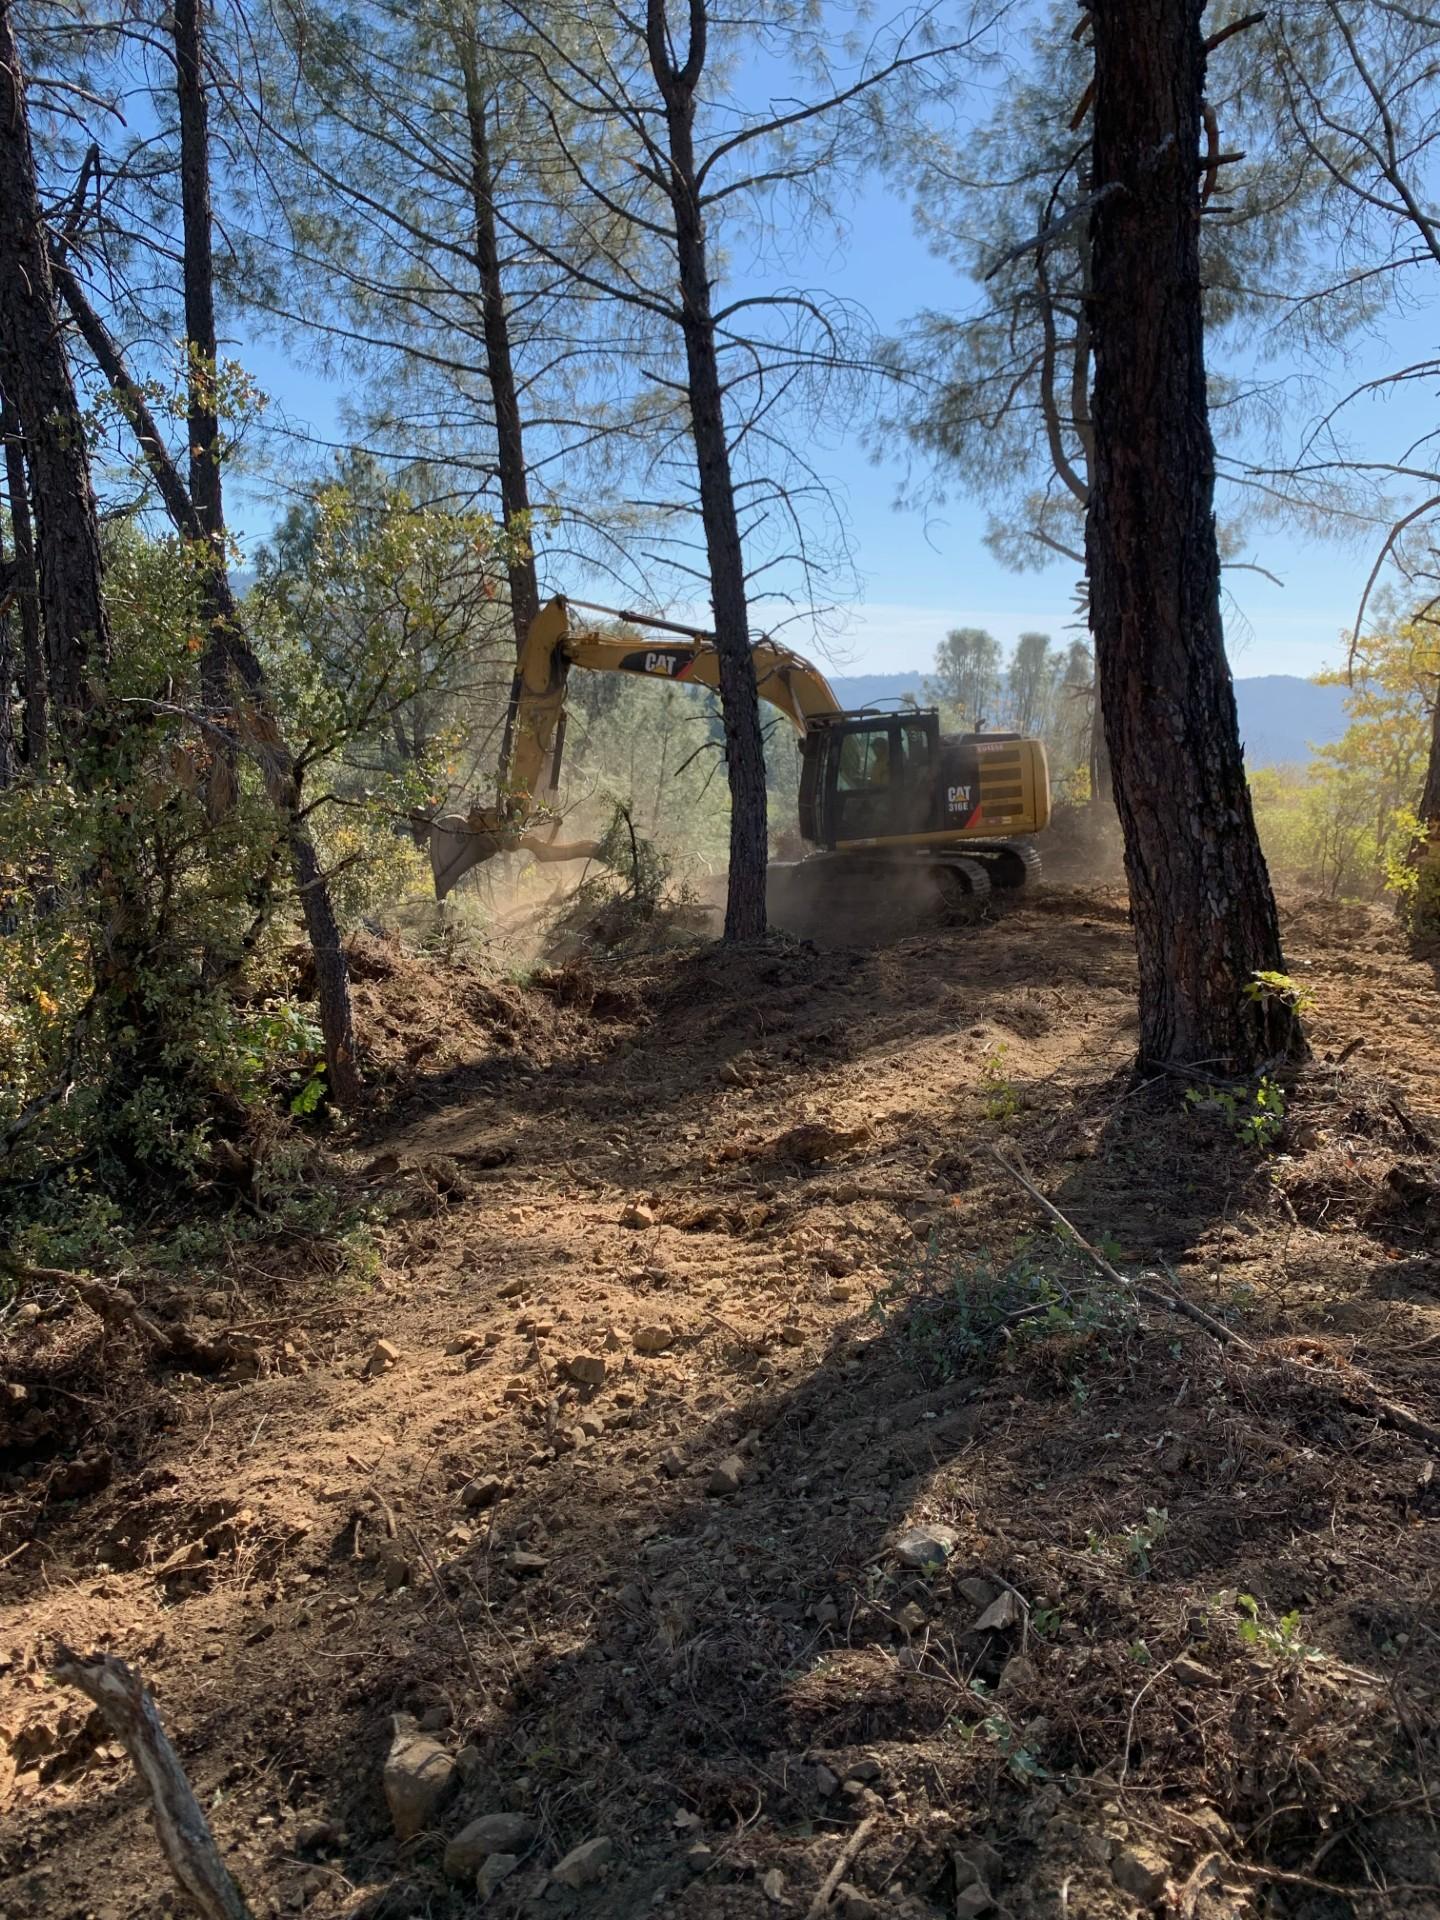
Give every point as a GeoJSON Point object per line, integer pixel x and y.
{"type": "Point", "coordinates": [881, 793]}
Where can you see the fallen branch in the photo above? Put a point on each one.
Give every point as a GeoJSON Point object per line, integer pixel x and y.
{"type": "Point", "coordinates": [117, 1307]}
{"type": "Point", "coordinates": [1357, 1394]}
{"type": "Point", "coordinates": [837, 1873]}
{"type": "Point", "coordinates": [129, 1713]}
{"type": "Point", "coordinates": [1152, 1296]}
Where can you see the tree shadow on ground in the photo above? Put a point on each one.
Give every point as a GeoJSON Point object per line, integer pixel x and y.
{"type": "Point", "coordinates": [726, 1683]}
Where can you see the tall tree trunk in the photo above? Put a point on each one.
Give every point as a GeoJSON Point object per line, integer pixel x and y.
{"type": "Point", "coordinates": [32, 656]}
{"type": "Point", "coordinates": [1430, 797]}
{"type": "Point", "coordinates": [1204, 914]}
{"type": "Point", "coordinates": [228, 656]}
{"type": "Point", "coordinates": [33, 367]}
{"type": "Point", "coordinates": [202, 421]}
{"type": "Point", "coordinates": [499, 363]}
{"type": "Point", "coordinates": [1424, 854]}
{"type": "Point", "coordinates": [1102, 788]}
{"type": "Point", "coordinates": [739, 697]}
{"type": "Point", "coordinates": [9, 757]}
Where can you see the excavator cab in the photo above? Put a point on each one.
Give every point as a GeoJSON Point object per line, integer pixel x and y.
{"type": "Point", "coordinates": [870, 777]}
{"type": "Point", "coordinates": [873, 778]}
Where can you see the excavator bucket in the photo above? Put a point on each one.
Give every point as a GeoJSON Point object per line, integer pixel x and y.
{"type": "Point", "coordinates": [456, 847]}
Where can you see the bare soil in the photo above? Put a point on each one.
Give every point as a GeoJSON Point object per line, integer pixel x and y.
{"type": "Point", "coordinates": [702, 1290]}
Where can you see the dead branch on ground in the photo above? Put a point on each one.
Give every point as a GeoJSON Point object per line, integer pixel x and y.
{"type": "Point", "coordinates": [129, 1713]}
{"type": "Point", "coordinates": [1355, 1390]}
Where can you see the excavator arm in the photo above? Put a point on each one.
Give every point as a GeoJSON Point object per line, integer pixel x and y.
{"type": "Point", "coordinates": [535, 729]}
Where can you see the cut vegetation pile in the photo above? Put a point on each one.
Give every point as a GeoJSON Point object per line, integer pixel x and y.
{"type": "Point", "coordinates": [755, 1502]}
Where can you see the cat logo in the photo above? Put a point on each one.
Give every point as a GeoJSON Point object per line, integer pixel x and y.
{"type": "Point", "coordinates": [958, 799]}
{"type": "Point", "coordinates": [666, 663]}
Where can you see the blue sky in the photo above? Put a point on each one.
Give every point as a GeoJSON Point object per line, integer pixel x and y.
{"type": "Point", "coordinates": [926, 572]}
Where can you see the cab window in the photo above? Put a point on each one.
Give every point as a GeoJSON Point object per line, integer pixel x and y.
{"type": "Point", "coordinates": [864, 762]}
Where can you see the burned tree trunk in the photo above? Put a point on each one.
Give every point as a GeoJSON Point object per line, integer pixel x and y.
{"type": "Point", "coordinates": [739, 698]}
{"type": "Point", "coordinates": [27, 600]}
{"type": "Point", "coordinates": [33, 366]}
{"type": "Point", "coordinates": [499, 363]}
{"type": "Point", "coordinates": [1204, 914]}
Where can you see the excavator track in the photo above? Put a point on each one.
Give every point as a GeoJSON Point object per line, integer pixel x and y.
{"type": "Point", "coordinates": [842, 897]}
{"type": "Point", "coordinates": [1011, 864]}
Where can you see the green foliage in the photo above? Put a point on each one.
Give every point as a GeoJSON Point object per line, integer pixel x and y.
{"type": "Point", "coordinates": [1134, 1547]}
{"type": "Point", "coordinates": [144, 1002]}
{"type": "Point", "coordinates": [1002, 1096]}
{"type": "Point", "coordinates": [954, 1315]}
{"type": "Point", "coordinates": [1344, 825]}
{"type": "Point", "coordinates": [1256, 1115]}
{"type": "Point", "coordinates": [1281, 1639]}
{"type": "Point", "coordinates": [1267, 986]}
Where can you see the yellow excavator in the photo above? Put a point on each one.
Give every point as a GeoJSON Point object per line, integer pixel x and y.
{"type": "Point", "coordinates": [884, 796]}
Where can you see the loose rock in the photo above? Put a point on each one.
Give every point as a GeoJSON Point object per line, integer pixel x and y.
{"type": "Point", "coordinates": [1190, 1673]}
{"type": "Point", "coordinates": [419, 1773]}
{"type": "Point", "coordinates": [1006, 1611]}
{"type": "Point", "coordinates": [383, 1356]}
{"type": "Point", "coordinates": [484, 1492]}
{"type": "Point", "coordinates": [1141, 1871]}
{"type": "Point", "coordinates": [653, 1339]}
{"type": "Point", "coordinates": [586, 1863]}
{"type": "Point", "coordinates": [528, 1565]}
{"type": "Point", "coordinates": [498, 1867]}
{"type": "Point", "coordinates": [586, 1368]}
{"type": "Point", "coordinates": [1018, 1672]}
{"type": "Point", "coordinates": [726, 1477]}
{"type": "Point", "coordinates": [972, 1900]}
{"type": "Point", "coordinates": [637, 1215]}
{"type": "Point", "coordinates": [852, 1904]}
{"type": "Point", "coordinates": [502, 1833]}
{"type": "Point", "coordinates": [926, 1546]}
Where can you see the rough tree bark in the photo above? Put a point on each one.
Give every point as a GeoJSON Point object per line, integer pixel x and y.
{"type": "Point", "coordinates": [202, 419]}
{"type": "Point", "coordinates": [9, 755]}
{"type": "Point", "coordinates": [33, 365]}
{"type": "Point", "coordinates": [499, 361]}
{"type": "Point", "coordinates": [1204, 914]}
{"type": "Point", "coordinates": [1430, 798]}
{"type": "Point", "coordinates": [27, 599]}
{"type": "Point", "coordinates": [739, 698]}
{"type": "Point", "coordinates": [228, 657]}
{"type": "Point", "coordinates": [1425, 850]}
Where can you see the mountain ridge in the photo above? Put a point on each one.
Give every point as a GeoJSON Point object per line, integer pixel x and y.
{"type": "Point", "coordinates": [1282, 716]}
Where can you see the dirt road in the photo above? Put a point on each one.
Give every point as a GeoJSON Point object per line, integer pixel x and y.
{"type": "Point", "coordinates": [722, 1463]}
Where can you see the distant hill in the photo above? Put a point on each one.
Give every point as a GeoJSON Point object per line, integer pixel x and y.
{"type": "Point", "coordinates": [1281, 715]}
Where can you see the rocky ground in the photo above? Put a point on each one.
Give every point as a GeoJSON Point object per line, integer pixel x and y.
{"type": "Point", "coordinates": [725, 1497]}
